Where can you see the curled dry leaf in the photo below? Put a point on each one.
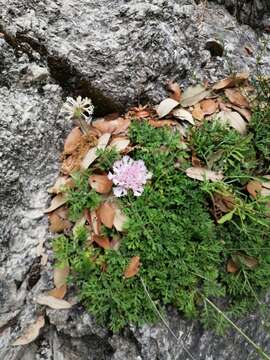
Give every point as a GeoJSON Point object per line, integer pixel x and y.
{"type": "Point", "coordinates": [57, 201]}
{"type": "Point", "coordinates": [175, 91]}
{"type": "Point", "coordinates": [233, 119]}
{"type": "Point", "coordinates": [120, 143]}
{"type": "Point", "coordinates": [165, 107]}
{"type": "Point", "coordinates": [209, 106]}
{"type": "Point", "coordinates": [30, 333]}
{"type": "Point", "coordinates": [106, 213]}
{"type": "Point", "coordinates": [243, 259]}
{"type": "Point", "coordinates": [133, 267]}
{"type": "Point", "coordinates": [202, 174]}
{"type": "Point", "coordinates": [161, 123]}
{"type": "Point", "coordinates": [101, 183]}
{"type": "Point", "coordinates": [244, 112]}
{"type": "Point", "coordinates": [91, 155]}
{"type": "Point", "coordinates": [254, 188]}
{"type": "Point", "coordinates": [102, 241]}
{"type": "Point", "coordinates": [224, 203]}
{"type": "Point", "coordinates": [58, 293]}
{"type": "Point", "coordinates": [94, 220]}
{"type": "Point", "coordinates": [72, 141]}
{"type": "Point", "coordinates": [61, 182]}
{"type": "Point", "coordinates": [231, 81]}
{"type": "Point", "coordinates": [60, 276]}
{"type": "Point", "coordinates": [236, 98]}
{"type": "Point", "coordinates": [193, 95]}
{"type": "Point", "coordinates": [53, 302]}
{"type": "Point", "coordinates": [232, 267]}
{"type": "Point", "coordinates": [183, 114]}
{"type": "Point", "coordinates": [58, 220]}
{"type": "Point", "coordinates": [197, 112]}
{"type": "Point", "coordinates": [119, 220]}
{"type": "Point", "coordinates": [115, 127]}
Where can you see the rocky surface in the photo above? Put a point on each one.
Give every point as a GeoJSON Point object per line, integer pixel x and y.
{"type": "Point", "coordinates": [119, 54]}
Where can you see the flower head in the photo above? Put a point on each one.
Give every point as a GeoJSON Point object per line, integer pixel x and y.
{"type": "Point", "coordinates": [129, 174]}
{"type": "Point", "coordinates": [75, 109]}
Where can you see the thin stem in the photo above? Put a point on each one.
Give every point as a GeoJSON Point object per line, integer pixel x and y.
{"type": "Point", "coordinates": [164, 320]}
{"type": "Point", "coordinates": [251, 342]}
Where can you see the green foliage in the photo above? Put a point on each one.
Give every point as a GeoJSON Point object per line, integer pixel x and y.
{"type": "Point", "coordinates": [81, 196]}
{"type": "Point", "coordinates": [222, 148]}
{"type": "Point", "coordinates": [183, 252]}
{"type": "Point", "coordinates": [106, 158]}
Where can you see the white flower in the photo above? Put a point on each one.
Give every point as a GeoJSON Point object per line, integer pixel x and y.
{"type": "Point", "coordinates": [75, 109]}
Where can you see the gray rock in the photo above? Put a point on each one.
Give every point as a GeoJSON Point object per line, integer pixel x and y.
{"type": "Point", "coordinates": [121, 53]}
{"type": "Point", "coordinates": [118, 53]}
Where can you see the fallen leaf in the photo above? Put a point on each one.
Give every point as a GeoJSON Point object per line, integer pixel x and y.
{"type": "Point", "coordinates": [175, 91]}
{"type": "Point", "coordinates": [265, 192]}
{"type": "Point", "coordinates": [193, 94]}
{"type": "Point", "coordinates": [57, 201]}
{"type": "Point", "coordinates": [119, 220]}
{"type": "Point", "coordinates": [102, 241]}
{"type": "Point", "coordinates": [113, 126]}
{"type": "Point", "coordinates": [224, 203]}
{"type": "Point", "coordinates": [60, 276]}
{"type": "Point", "coordinates": [266, 183]}
{"type": "Point", "coordinates": [133, 267]}
{"type": "Point", "coordinates": [60, 182]}
{"type": "Point", "coordinates": [232, 267]}
{"type": "Point", "coordinates": [119, 143]}
{"type": "Point", "coordinates": [161, 123]}
{"type": "Point", "coordinates": [202, 174]}
{"type": "Point", "coordinates": [91, 155]}
{"type": "Point", "coordinates": [244, 112]}
{"type": "Point", "coordinates": [58, 220]}
{"type": "Point", "coordinates": [58, 293]}
{"type": "Point", "coordinates": [196, 162]}
{"type": "Point", "coordinates": [209, 106]}
{"type": "Point", "coordinates": [94, 220]}
{"type": "Point", "coordinates": [72, 141]}
{"type": "Point", "coordinates": [53, 302]}
{"type": "Point", "coordinates": [101, 183]}
{"type": "Point", "coordinates": [233, 119]}
{"type": "Point", "coordinates": [223, 84]}
{"type": "Point", "coordinates": [30, 333]}
{"type": "Point", "coordinates": [165, 107]}
{"type": "Point", "coordinates": [249, 261]}
{"type": "Point", "coordinates": [254, 188]}
{"type": "Point", "coordinates": [197, 112]}
{"type": "Point", "coordinates": [236, 98]}
{"type": "Point", "coordinates": [183, 114]}
{"type": "Point", "coordinates": [106, 213]}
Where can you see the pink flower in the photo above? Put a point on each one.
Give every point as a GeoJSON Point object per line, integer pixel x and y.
{"type": "Point", "coordinates": [129, 174]}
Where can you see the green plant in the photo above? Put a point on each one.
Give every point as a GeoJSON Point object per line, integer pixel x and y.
{"type": "Point", "coordinates": [80, 196]}
{"type": "Point", "coordinates": [106, 158]}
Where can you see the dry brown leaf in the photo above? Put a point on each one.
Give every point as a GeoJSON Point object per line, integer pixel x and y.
{"type": "Point", "coordinates": [53, 302]}
{"type": "Point", "coordinates": [236, 98]}
{"type": "Point", "coordinates": [183, 114]}
{"type": "Point", "coordinates": [193, 95]}
{"type": "Point", "coordinates": [101, 183]}
{"type": "Point", "coordinates": [57, 201]}
{"type": "Point", "coordinates": [120, 143]}
{"type": "Point", "coordinates": [232, 267]}
{"type": "Point", "coordinates": [60, 182]}
{"type": "Point", "coordinates": [233, 119]}
{"type": "Point", "coordinates": [102, 241]}
{"type": "Point", "coordinates": [195, 161]}
{"type": "Point", "coordinates": [30, 333]}
{"type": "Point", "coordinates": [58, 220]}
{"type": "Point", "coordinates": [209, 106]}
{"type": "Point", "coordinates": [58, 293]}
{"type": "Point", "coordinates": [72, 141]}
{"type": "Point", "coordinates": [60, 276]}
{"type": "Point", "coordinates": [249, 261]}
{"type": "Point", "coordinates": [94, 220]}
{"type": "Point", "coordinates": [266, 183]}
{"type": "Point", "coordinates": [175, 91]}
{"type": "Point", "coordinates": [202, 174]}
{"type": "Point", "coordinates": [223, 84]}
{"type": "Point", "coordinates": [133, 267]}
{"type": "Point", "coordinates": [244, 112]}
{"type": "Point", "coordinates": [254, 188]}
{"type": "Point", "coordinates": [265, 192]}
{"type": "Point", "coordinates": [91, 155]}
{"type": "Point", "coordinates": [106, 213]}
{"type": "Point", "coordinates": [115, 127]}
{"type": "Point", "coordinates": [161, 123]}
{"type": "Point", "coordinates": [165, 107]}
{"type": "Point", "coordinates": [225, 203]}
{"type": "Point", "coordinates": [119, 220]}
{"type": "Point", "coordinates": [197, 112]}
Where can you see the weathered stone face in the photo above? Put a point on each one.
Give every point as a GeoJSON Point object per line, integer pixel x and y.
{"type": "Point", "coordinates": [119, 53]}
